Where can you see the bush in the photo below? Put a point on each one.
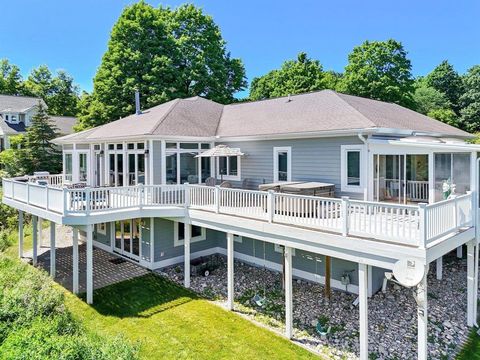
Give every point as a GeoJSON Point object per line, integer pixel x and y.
{"type": "Point", "coordinates": [5, 241]}
{"type": "Point", "coordinates": [35, 324]}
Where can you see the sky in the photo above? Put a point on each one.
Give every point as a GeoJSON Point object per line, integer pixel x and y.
{"type": "Point", "coordinates": [73, 35]}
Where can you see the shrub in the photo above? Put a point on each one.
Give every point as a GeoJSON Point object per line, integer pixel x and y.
{"type": "Point", "coordinates": [35, 324]}
{"type": "Point", "coordinates": [5, 241]}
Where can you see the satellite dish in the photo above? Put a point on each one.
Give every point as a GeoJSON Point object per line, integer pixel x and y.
{"type": "Point", "coordinates": [409, 272]}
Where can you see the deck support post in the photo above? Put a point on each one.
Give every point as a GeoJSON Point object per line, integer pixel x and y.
{"type": "Point", "coordinates": [439, 264]}
{"type": "Point", "coordinates": [20, 234]}
{"type": "Point", "coordinates": [288, 293]}
{"type": "Point", "coordinates": [89, 264]}
{"type": "Point", "coordinates": [370, 280]}
{"type": "Point", "coordinates": [40, 230]}
{"type": "Point", "coordinates": [422, 317]}
{"type": "Point", "coordinates": [363, 309]}
{"type": "Point", "coordinates": [471, 294]}
{"type": "Point", "coordinates": [52, 249]}
{"type": "Point", "coordinates": [460, 252]}
{"type": "Point", "coordinates": [34, 240]}
{"type": "Point", "coordinates": [75, 260]}
{"type": "Point", "coordinates": [188, 235]}
{"type": "Point", "coordinates": [230, 269]}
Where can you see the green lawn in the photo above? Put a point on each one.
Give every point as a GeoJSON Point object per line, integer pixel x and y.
{"type": "Point", "coordinates": [171, 322]}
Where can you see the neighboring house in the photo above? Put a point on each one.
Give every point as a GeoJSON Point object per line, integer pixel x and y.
{"type": "Point", "coordinates": [392, 170]}
{"type": "Point", "coordinates": [16, 114]}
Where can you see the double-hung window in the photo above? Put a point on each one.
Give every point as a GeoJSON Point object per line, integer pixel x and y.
{"type": "Point", "coordinates": [197, 233]}
{"type": "Point", "coordinates": [352, 172]}
{"type": "Point", "coordinates": [229, 167]}
{"type": "Point", "coordinates": [282, 164]}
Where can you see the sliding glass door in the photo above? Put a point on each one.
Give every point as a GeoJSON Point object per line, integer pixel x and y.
{"type": "Point", "coordinates": [127, 238]}
{"type": "Point", "coordinates": [401, 178]}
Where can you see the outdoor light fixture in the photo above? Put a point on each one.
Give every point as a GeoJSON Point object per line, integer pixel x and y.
{"type": "Point", "coordinates": [146, 152]}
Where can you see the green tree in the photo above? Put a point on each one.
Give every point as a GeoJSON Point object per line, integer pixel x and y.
{"type": "Point", "coordinates": [15, 161]}
{"type": "Point", "coordinates": [41, 153]}
{"type": "Point", "coordinates": [470, 100]}
{"type": "Point", "coordinates": [428, 98]}
{"type": "Point", "coordinates": [59, 91]}
{"type": "Point", "coordinates": [10, 78]}
{"type": "Point", "coordinates": [380, 70]}
{"type": "Point", "coordinates": [294, 77]}
{"type": "Point", "coordinates": [165, 54]}
{"type": "Point", "coordinates": [445, 79]}
{"type": "Point", "coordinates": [447, 116]}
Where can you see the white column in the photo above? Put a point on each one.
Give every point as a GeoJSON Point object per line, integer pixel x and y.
{"type": "Point", "coordinates": [440, 268]}
{"type": "Point", "coordinates": [34, 240]}
{"type": "Point", "coordinates": [20, 234]}
{"type": "Point", "coordinates": [460, 252]}
{"type": "Point", "coordinates": [422, 317]}
{"type": "Point", "coordinates": [52, 249]}
{"type": "Point", "coordinates": [470, 282]}
{"type": "Point", "coordinates": [370, 280]}
{"type": "Point", "coordinates": [230, 276]}
{"type": "Point", "coordinates": [89, 264]}
{"type": "Point", "coordinates": [363, 309]}
{"type": "Point", "coordinates": [40, 232]}
{"type": "Point", "coordinates": [288, 293]}
{"type": "Point", "coordinates": [188, 235]}
{"type": "Point", "coordinates": [75, 259]}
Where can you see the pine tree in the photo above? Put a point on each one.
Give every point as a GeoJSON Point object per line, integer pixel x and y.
{"type": "Point", "coordinates": [41, 153]}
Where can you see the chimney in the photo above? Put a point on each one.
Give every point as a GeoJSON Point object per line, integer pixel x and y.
{"type": "Point", "coordinates": [137, 102]}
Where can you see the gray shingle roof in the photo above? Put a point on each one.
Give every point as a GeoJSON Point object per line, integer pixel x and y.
{"type": "Point", "coordinates": [64, 124]}
{"type": "Point", "coordinates": [314, 112]}
{"type": "Point", "coordinates": [18, 104]}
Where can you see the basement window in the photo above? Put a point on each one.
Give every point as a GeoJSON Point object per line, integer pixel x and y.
{"type": "Point", "coordinates": [198, 234]}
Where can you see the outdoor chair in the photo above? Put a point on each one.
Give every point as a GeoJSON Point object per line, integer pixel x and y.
{"type": "Point", "coordinates": [211, 181]}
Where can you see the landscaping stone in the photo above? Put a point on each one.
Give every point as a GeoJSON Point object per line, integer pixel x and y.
{"type": "Point", "coordinates": [392, 316]}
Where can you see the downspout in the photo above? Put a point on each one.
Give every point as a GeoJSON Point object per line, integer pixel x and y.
{"type": "Point", "coordinates": [477, 252]}
{"type": "Point", "coordinates": [365, 142]}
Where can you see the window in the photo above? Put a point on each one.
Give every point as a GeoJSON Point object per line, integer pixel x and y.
{"type": "Point", "coordinates": [82, 167]}
{"type": "Point", "coordinates": [351, 168]}
{"type": "Point", "coordinates": [282, 164]}
{"type": "Point", "coordinates": [279, 248]}
{"type": "Point", "coordinates": [237, 238]}
{"type": "Point", "coordinates": [229, 167]}
{"type": "Point", "coordinates": [102, 228]}
{"type": "Point", "coordinates": [14, 119]}
{"type": "Point", "coordinates": [68, 163]}
{"type": "Point", "coordinates": [182, 164]}
{"type": "Point", "coordinates": [198, 233]}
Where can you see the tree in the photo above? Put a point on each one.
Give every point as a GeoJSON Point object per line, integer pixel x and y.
{"type": "Point", "coordinates": [41, 153]}
{"type": "Point", "coordinates": [59, 92]}
{"type": "Point", "coordinates": [428, 98]}
{"type": "Point", "coordinates": [380, 70]}
{"type": "Point", "coordinates": [294, 77]}
{"type": "Point", "coordinates": [445, 79]}
{"type": "Point", "coordinates": [164, 54]}
{"type": "Point", "coordinates": [447, 116]}
{"type": "Point", "coordinates": [14, 161]}
{"type": "Point", "coordinates": [10, 78]}
{"type": "Point", "coordinates": [470, 100]}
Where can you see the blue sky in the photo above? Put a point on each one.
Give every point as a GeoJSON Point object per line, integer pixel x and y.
{"type": "Point", "coordinates": [73, 35]}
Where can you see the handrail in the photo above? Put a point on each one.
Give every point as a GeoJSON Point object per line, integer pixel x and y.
{"type": "Point", "coordinates": [417, 225]}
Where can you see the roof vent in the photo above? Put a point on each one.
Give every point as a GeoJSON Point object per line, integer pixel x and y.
{"type": "Point", "coordinates": [137, 102]}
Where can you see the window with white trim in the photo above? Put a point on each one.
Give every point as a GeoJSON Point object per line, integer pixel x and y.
{"type": "Point", "coordinates": [228, 167]}
{"type": "Point", "coordinates": [282, 164]}
{"type": "Point", "coordinates": [352, 174]}
{"type": "Point", "coordinates": [101, 228]}
{"type": "Point", "coordinates": [198, 233]}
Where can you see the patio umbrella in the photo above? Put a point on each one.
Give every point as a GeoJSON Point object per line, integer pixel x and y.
{"type": "Point", "coordinates": [220, 151]}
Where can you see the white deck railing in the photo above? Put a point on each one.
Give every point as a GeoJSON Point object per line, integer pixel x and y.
{"type": "Point", "coordinates": [418, 225]}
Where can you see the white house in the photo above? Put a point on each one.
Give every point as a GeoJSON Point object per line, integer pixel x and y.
{"type": "Point", "coordinates": [16, 113]}
{"type": "Point", "coordinates": [372, 186]}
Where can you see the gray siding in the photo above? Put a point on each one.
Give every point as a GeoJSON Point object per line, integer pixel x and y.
{"type": "Point", "coordinates": [156, 152]}
{"type": "Point", "coordinates": [312, 159]}
{"type": "Point", "coordinates": [164, 241]}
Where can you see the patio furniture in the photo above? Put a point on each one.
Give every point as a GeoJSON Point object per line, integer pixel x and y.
{"type": "Point", "coordinates": [211, 181]}
{"type": "Point", "coordinates": [276, 186]}
{"type": "Point", "coordinates": [310, 188]}
{"type": "Point", "coordinates": [226, 184]}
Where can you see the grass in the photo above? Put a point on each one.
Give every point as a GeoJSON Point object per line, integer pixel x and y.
{"type": "Point", "coordinates": [471, 350]}
{"type": "Point", "coordinates": [170, 322]}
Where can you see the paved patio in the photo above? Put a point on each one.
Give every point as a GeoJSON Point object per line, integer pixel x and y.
{"type": "Point", "coordinates": [107, 268]}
